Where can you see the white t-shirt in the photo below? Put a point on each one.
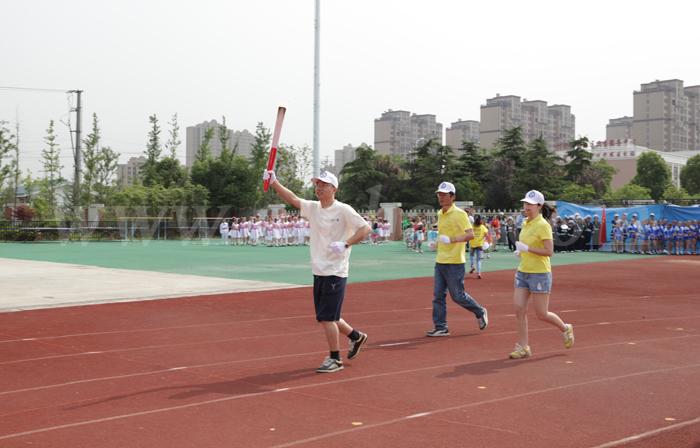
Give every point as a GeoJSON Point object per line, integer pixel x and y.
{"type": "Point", "coordinates": [335, 223]}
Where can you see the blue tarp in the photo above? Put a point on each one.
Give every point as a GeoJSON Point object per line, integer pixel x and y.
{"type": "Point", "coordinates": [660, 211]}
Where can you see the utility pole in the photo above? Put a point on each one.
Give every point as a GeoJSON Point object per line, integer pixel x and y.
{"type": "Point", "coordinates": [317, 83]}
{"type": "Point", "coordinates": [78, 155]}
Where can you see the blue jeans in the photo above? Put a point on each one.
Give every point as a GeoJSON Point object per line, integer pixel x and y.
{"type": "Point", "coordinates": [450, 277]}
{"type": "Point", "coordinates": [479, 251]}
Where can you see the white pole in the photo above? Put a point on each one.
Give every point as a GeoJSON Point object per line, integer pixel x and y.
{"type": "Point", "coordinates": [317, 83]}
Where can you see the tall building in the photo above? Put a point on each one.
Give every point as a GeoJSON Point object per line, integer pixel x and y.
{"type": "Point", "coordinates": [398, 132]}
{"type": "Point", "coordinates": [130, 170]}
{"type": "Point", "coordinates": [195, 137]}
{"type": "Point", "coordinates": [667, 116]}
{"type": "Point", "coordinates": [462, 131]}
{"type": "Point", "coordinates": [345, 155]}
{"type": "Point", "coordinates": [556, 124]}
{"type": "Point", "coordinates": [619, 128]}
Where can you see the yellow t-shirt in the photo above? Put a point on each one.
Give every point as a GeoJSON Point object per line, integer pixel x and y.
{"type": "Point", "coordinates": [479, 234]}
{"type": "Point", "coordinates": [533, 234]}
{"type": "Point", "coordinates": [453, 224]}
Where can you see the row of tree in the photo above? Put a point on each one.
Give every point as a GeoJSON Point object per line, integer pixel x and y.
{"type": "Point", "coordinates": [496, 177]}
{"type": "Point", "coordinates": [500, 176]}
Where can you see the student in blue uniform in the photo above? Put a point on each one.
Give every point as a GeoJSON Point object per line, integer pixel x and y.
{"type": "Point", "coordinates": [617, 237]}
{"type": "Point", "coordinates": [632, 232]}
{"type": "Point", "coordinates": [678, 237]}
{"type": "Point", "coordinates": [668, 239]}
{"type": "Point", "coordinates": [687, 237]}
{"type": "Point", "coordinates": [696, 237]}
{"type": "Point", "coordinates": [644, 233]}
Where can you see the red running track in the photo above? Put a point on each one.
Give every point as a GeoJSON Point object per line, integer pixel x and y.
{"type": "Point", "coordinates": [238, 370]}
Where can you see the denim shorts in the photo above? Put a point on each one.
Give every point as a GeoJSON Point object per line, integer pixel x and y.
{"type": "Point", "coordinates": [537, 283]}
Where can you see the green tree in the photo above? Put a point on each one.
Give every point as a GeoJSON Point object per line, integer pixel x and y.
{"type": "Point", "coordinates": [227, 178]}
{"type": "Point", "coordinates": [474, 163]}
{"type": "Point", "coordinates": [599, 176]}
{"type": "Point", "coordinates": [576, 193]}
{"type": "Point", "coordinates": [225, 136]}
{"type": "Point", "coordinates": [652, 173]}
{"type": "Point", "coordinates": [174, 142]}
{"type": "Point", "coordinates": [52, 170]}
{"type": "Point", "coordinates": [690, 175]}
{"type": "Point", "coordinates": [539, 169]}
{"type": "Point", "coordinates": [91, 162]}
{"type": "Point", "coordinates": [511, 146]}
{"type": "Point", "coordinates": [391, 166]}
{"type": "Point", "coordinates": [168, 173]}
{"type": "Point", "coordinates": [204, 151]}
{"type": "Point", "coordinates": [6, 147]}
{"type": "Point", "coordinates": [286, 163]}
{"type": "Point", "coordinates": [359, 177]}
{"type": "Point", "coordinates": [673, 193]}
{"type": "Point", "coordinates": [506, 156]}
{"type": "Point", "coordinates": [430, 165]}
{"type": "Point", "coordinates": [579, 158]}
{"type": "Point", "coordinates": [258, 163]}
{"type": "Point", "coordinates": [629, 191]}
{"type": "Point", "coordinates": [153, 150]}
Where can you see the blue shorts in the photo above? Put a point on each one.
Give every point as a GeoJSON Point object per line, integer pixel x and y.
{"type": "Point", "coordinates": [537, 283]}
{"type": "Point", "coordinates": [329, 292]}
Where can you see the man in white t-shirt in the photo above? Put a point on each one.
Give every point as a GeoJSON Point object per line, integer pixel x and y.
{"type": "Point", "coordinates": [334, 228]}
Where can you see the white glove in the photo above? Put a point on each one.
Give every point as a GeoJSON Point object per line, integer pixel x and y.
{"type": "Point", "coordinates": [522, 247]}
{"type": "Point", "coordinates": [432, 246]}
{"type": "Point", "coordinates": [338, 247]}
{"type": "Point", "coordinates": [517, 254]}
{"type": "Point", "coordinates": [444, 239]}
{"type": "Point", "coordinates": [269, 174]}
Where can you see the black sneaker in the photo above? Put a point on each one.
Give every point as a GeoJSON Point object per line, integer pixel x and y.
{"type": "Point", "coordinates": [483, 320]}
{"type": "Point", "coordinates": [438, 332]}
{"type": "Point", "coordinates": [330, 365]}
{"type": "Point", "coordinates": [355, 346]}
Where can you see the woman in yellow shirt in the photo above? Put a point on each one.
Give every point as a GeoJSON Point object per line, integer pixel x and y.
{"type": "Point", "coordinates": [534, 275]}
{"type": "Point", "coordinates": [476, 246]}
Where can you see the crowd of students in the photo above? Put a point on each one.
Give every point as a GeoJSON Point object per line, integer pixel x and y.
{"type": "Point", "coordinates": [286, 230]}
{"type": "Point", "coordinates": [278, 231]}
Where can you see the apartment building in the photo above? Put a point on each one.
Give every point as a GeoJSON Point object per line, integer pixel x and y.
{"type": "Point", "coordinates": [345, 155]}
{"type": "Point", "coordinates": [398, 132]}
{"type": "Point", "coordinates": [127, 172]}
{"type": "Point", "coordinates": [195, 137]}
{"type": "Point", "coordinates": [667, 116]}
{"type": "Point", "coordinates": [556, 124]}
{"type": "Point", "coordinates": [462, 131]}
{"type": "Point", "coordinates": [619, 128]}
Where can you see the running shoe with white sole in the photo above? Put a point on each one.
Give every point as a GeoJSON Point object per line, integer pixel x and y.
{"type": "Point", "coordinates": [330, 365]}
{"type": "Point", "coordinates": [520, 352]}
{"type": "Point", "coordinates": [355, 346]}
{"type": "Point", "coordinates": [438, 332]}
{"type": "Point", "coordinates": [483, 320]}
{"type": "Point", "coordinates": [568, 336]}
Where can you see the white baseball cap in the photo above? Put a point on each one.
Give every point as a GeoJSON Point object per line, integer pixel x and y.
{"type": "Point", "coordinates": [446, 187]}
{"type": "Point", "coordinates": [326, 177]}
{"type": "Point", "coordinates": [533, 197]}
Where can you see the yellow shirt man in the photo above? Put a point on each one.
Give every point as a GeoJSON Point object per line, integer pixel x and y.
{"type": "Point", "coordinates": [453, 223]}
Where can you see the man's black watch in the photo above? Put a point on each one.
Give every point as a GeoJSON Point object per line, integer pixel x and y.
{"type": "Point", "coordinates": [347, 245]}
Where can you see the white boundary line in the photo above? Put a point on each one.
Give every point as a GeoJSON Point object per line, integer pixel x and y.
{"type": "Point", "coordinates": [644, 435]}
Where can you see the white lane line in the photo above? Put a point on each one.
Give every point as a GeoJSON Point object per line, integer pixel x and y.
{"type": "Point", "coordinates": [220, 400]}
{"type": "Point", "coordinates": [495, 400]}
{"type": "Point", "coordinates": [213, 324]}
{"type": "Point", "coordinates": [398, 343]}
{"type": "Point", "coordinates": [419, 415]}
{"type": "Point", "coordinates": [648, 434]}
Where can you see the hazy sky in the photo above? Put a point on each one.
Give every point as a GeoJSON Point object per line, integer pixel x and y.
{"type": "Point", "coordinates": [239, 59]}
